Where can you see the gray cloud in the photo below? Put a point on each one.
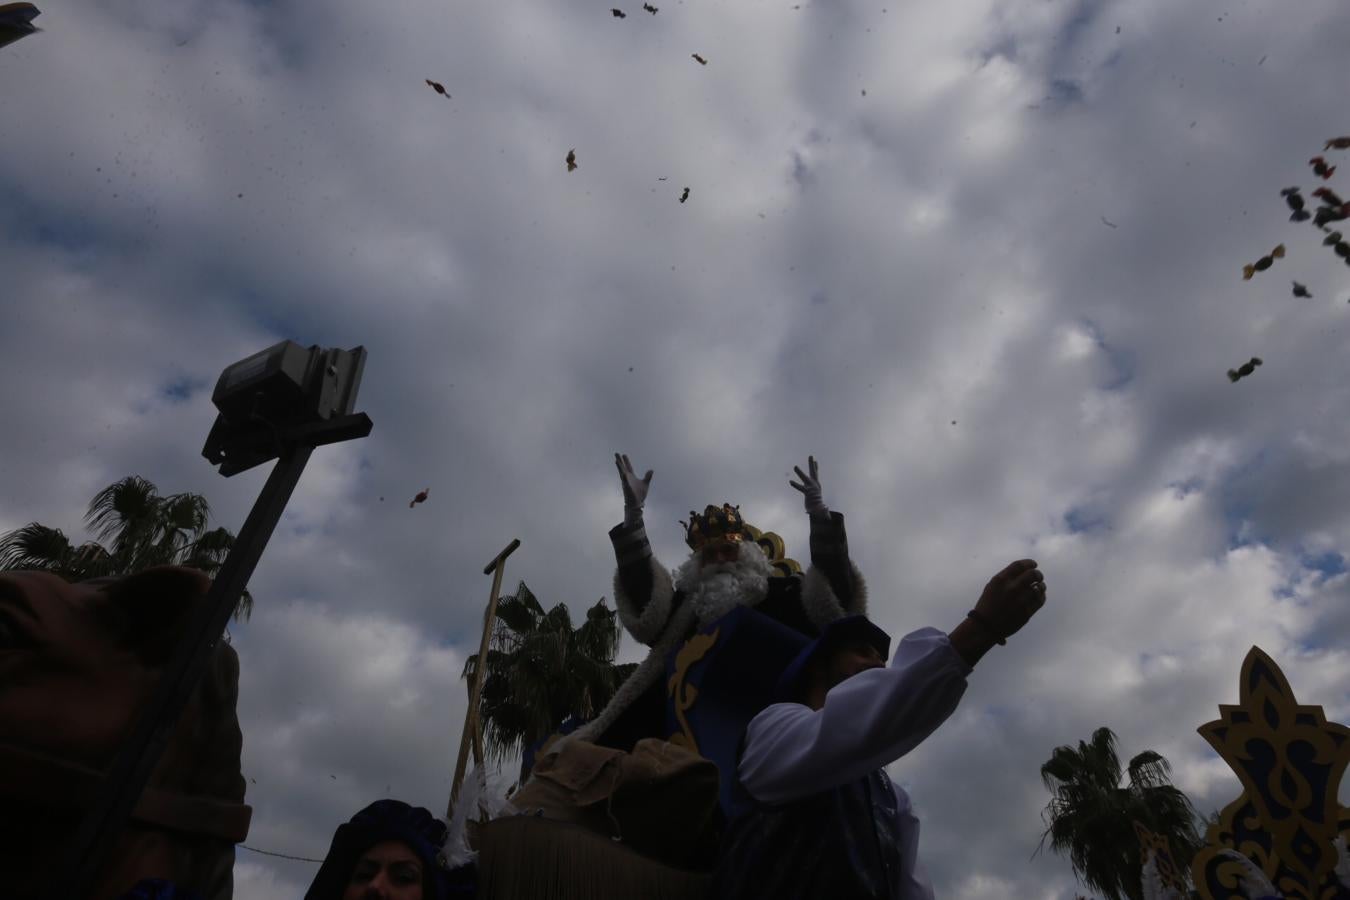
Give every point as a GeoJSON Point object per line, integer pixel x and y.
{"type": "Point", "coordinates": [850, 276]}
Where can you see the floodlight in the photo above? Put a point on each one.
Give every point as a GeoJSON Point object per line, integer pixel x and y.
{"type": "Point", "coordinates": [284, 396]}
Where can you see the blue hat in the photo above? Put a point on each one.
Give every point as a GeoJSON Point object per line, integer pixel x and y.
{"type": "Point", "coordinates": [383, 820]}
{"type": "Point", "coordinates": [788, 687]}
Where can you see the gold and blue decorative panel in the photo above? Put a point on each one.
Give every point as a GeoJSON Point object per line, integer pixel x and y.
{"type": "Point", "coordinates": [1290, 760]}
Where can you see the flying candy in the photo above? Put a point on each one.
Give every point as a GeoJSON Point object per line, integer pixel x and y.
{"type": "Point", "coordinates": [1320, 167]}
{"type": "Point", "coordinates": [649, 8]}
{"type": "Point", "coordinates": [1263, 263]}
{"type": "Point", "coordinates": [1327, 214]}
{"type": "Point", "coordinates": [1295, 201]}
{"type": "Point", "coordinates": [1340, 143]}
{"type": "Point", "coordinates": [438, 88]}
{"type": "Point", "coordinates": [420, 498]}
{"type": "Point", "coordinates": [1301, 291]}
{"type": "Point", "coordinates": [571, 160]}
{"type": "Point", "coordinates": [1244, 370]}
{"type": "Point", "coordinates": [701, 60]}
{"type": "Point", "coordinates": [685, 195]}
{"type": "Point", "coordinates": [618, 14]}
{"type": "Point", "coordinates": [1328, 196]}
{"type": "Point", "coordinates": [16, 21]}
{"type": "Point", "coordinates": [1337, 243]}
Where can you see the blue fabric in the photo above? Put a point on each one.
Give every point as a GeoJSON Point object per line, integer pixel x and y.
{"type": "Point", "coordinates": [733, 681]}
{"type": "Point", "coordinates": [159, 889]}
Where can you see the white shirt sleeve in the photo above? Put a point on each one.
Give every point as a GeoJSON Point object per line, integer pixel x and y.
{"type": "Point", "coordinates": [868, 721]}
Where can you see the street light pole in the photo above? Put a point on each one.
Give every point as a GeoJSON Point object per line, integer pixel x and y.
{"type": "Point", "coordinates": [327, 380]}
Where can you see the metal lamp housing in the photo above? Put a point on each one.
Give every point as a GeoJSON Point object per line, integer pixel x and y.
{"type": "Point", "coordinates": [267, 400]}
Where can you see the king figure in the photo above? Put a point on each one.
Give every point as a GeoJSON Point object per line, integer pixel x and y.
{"type": "Point", "coordinates": [727, 568]}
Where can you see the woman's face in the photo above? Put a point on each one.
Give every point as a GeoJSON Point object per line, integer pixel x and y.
{"type": "Point", "coordinates": [387, 871]}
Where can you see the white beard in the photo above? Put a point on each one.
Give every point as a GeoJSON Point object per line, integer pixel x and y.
{"type": "Point", "coordinates": [715, 590]}
{"type": "Point", "coordinates": [709, 594]}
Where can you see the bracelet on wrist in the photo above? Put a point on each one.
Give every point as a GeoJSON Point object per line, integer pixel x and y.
{"type": "Point", "coordinates": [986, 627]}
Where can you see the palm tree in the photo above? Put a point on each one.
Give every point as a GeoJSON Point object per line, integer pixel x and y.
{"type": "Point", "coordinates": [540, 671]}
{"type": "Point", "coordinates": [1091, 815]}
{"type": "Point", "coordinates": [138, 528]}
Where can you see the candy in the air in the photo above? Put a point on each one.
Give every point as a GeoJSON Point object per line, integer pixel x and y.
{"type": "Point", "coordinates": [685, 195]}
{"type": "Point", "coordinates": [438, 88]}
{"type": "Point", "coordinates": [1340, 143]}
{"type": "Point", "coordinates": [1263, 263]}
{"type": "Point", "coordinates": [420, 498]}
{"type": "Point", "coordinates": [1301, 290]}
{"type": "Point", "coordinates": [1244, 370]}
{"type": "Point", "coordinates": [1328, 196]}
{"type": "Point", "coordinates": [571, 160]}
{"type": "Point", "coordinates": [1327, 214]}
{"type": "Point", "coordinates": [16, 21]}
{"type": "Point", "coordinates": [1320, 167]}
{"type": "Point", "coordinates": [1295, 201]}
{"type": "Point", "coordinates": [618, 14]}
{"type": "Point", "coordinates": [701, 60]}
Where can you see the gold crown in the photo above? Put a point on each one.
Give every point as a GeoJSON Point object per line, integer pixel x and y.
{"type": "Point", "coordinates": [718, 523]}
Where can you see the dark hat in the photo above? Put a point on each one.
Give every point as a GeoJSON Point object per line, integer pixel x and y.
{"type": "Point", "coordinates": [383, 820]}
{"type": "Point", "coordinates": [159, 889]}
{"type": "Point", "coordinates": [831, 636]}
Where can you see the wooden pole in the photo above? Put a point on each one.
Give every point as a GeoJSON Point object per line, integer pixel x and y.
{"type": "Point", "coordinates": [471, 735]}
{"type": "Point", "coordinates": [477, 740]}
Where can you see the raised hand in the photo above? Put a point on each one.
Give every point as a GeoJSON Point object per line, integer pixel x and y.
{"type": "Point", "coordinates": [810, 486]}
{"type": "Point", "coordinates": [1011, 598]}
{"type": "Point", "coordinates": [634, 489]}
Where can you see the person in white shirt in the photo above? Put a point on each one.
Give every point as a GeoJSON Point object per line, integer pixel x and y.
{"type": "Point", "coordinates": [818, 818]}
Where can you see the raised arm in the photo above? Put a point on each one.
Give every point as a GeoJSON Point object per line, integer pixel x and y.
{"type": "Point", "coordinates": [868, 721]}
{"type": "Point", "coordinates": [879, 715]}
{"type": "Point", "coordinates": [642, 588]}
{"type": "Point", "coordinates": [834, 587]}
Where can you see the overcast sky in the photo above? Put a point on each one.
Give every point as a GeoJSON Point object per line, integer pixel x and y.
{"type": "Point", "coordinates": [982, 259]}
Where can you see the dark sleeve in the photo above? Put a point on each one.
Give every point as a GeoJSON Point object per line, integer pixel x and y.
{"type": "Point", "coordinates": [829, 554]}
{"type": "Point", "coordinates": [633, 555]}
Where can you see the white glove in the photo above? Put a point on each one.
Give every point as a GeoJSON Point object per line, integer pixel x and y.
{"type": "Point", "coordinates": [634, 490]}
{"type": "Point", "coordinates": [810, 486]}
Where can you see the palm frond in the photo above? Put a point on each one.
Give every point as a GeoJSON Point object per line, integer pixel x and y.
{"type": "Point", "coordinates": [516, 617]}
{"type": "Point", "coordinates": [599, 635]}
{"type": "Point", "coordinates": [36, 546]}
{"type": "Point", "coordinates": [1148, 769]}
{"type": "Point", "coordinates": [557, 620]}
{"type": "Point", "coordinates": [526, 598]}
{"type": "Point", "coordinates": [1090, 815]}
{"type": "Point", "coordinates": [125, 512]}
{"type": "Point", "coordinates": [185, 513]}
{"type": "Point", "coordinates": [540, 670]}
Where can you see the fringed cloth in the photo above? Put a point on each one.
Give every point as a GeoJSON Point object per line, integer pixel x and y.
{"type": "Point", "coordinates": [532, 858]}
